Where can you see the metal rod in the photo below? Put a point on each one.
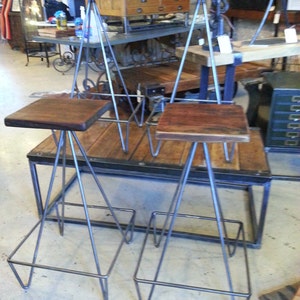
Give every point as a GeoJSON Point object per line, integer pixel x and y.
{"type": "Point", "coordinates": [177, 198]}
{"type": "Point", "coordinates": [218, 213]}
{"type": "Point", "coordinates": [83, 198]}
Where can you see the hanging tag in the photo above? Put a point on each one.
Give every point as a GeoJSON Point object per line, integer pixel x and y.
{"type": "Point", "coordinates": [290, 35]}
{"type": "Point", "coordinates": [224, 44]}
{"type": "Point", "coordinates": [201, 42]}
{"type": "Point", "coordinates": [276, 18]}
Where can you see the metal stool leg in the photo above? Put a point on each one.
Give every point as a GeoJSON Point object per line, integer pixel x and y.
{"type": "Point", "coordinates": [218, 214]}
{"type": "Point", "coordinates": [168, 226]}
{"type": "Point", "coordinates": [174, 210]}
{"type": "Point", "coordinates": [41, 223]}
{"type": "Point", "coordinates": [174, 207]}
{"type": "Point", "coordinates": [126, 233]}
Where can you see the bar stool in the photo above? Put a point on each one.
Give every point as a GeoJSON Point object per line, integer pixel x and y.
{"type": "Point", "coordinates": [68, 116]}
{"type": "Point", "coordinates": [194, 123]}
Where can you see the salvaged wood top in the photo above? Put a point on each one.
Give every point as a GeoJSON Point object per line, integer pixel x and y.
{"type": "Point", "coordinates": [164, 75]}
{"type": "Point", "coordinates": [196, 122]}
{"type": "Point", "coordinates": [102, 144]}
{"type": "Point", "coordinates": [61, 114]}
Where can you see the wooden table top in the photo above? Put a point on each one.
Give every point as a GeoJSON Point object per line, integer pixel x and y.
{"type": "Point", "coordinates": [259, 51]}
{"type": "Point", "coordinates": [195, 122]}
{"type": "Point", "coordinates": [60, 114]}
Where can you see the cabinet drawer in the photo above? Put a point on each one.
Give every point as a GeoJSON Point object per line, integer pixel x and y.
{"type": "Point", "coordinates": [284, 143]}
{"type": "Point", "coordinates": [177, 7]}
{"type": "Point", "coordinates": [286, 98]}
{"type": "Point", "coordinates": [291, 107]}
{"type": "Point", "coordinates": [292, 135]}
{"type": "Point", "coordinates": [286, 125]}
{"type": "Point", "coordinates": [143, 3]}
{"type": "Point", "coordinates": [146, 10]}
{"type": "Point", "coordinates": [290, 117]}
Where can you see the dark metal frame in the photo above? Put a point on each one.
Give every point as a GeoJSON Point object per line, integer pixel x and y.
{"type": "Point", "coordinates": [226, 178]}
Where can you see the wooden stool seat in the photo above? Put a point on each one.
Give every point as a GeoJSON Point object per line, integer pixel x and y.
{"type": "Point", "coordinates": [195, 122]}
{"type": "Point", "coordinates": [60, 114]}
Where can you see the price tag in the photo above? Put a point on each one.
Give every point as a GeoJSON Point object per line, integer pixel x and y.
{"type": "Point", "coordinates": [276, 18]}
{"type": "Point", "coordinates": [290, 35]}
{"type": "Point", "coordinates": [224, 44]}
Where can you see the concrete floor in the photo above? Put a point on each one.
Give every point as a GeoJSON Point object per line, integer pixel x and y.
{"type": "Point", "coordinates": [275, 265]}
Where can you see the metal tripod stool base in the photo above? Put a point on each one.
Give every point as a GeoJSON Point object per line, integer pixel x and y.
{"type": "Point", "coordinates": [210, 123]}
{"type": "Point", "coordinates": [50, 113]}
{"type": "Point", "coordinates": [182, 273]}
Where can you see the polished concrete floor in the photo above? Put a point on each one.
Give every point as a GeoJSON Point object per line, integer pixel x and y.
{"type": "Point", "coordinates": [276, 264]}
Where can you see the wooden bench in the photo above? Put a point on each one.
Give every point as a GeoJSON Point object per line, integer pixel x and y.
{"type": "Point", "coordinates": [248, 169]}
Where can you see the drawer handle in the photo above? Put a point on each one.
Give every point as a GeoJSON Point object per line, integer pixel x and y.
{"type": "Point", "coordinates": [143, 1]}
{"type": "Point", "coordinates": [139, 10]}
{"type": "Point", "coordinates": [291, 143]}
{"type": "Point", "coordinates": [295, 108]}
{"type": "Point", "coordinates": [292, 135]}
{"type": "Point", "coordinates": [179, 7]}
{"type": "Point", "coordinates": [294, 117]}
{"type": "Point", "coordinates": [296, 99]}
{"type": "Point", "coordinates": [161, 8]}
{"type": "Point", "coordinates": [293, 125]}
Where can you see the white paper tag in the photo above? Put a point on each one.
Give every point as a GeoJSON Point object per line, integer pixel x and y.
{"type": "Point", "coordinates": [224, 44]}
{"type": "Point", "coordinates": [201, 42]}
{"type": "Point", "coordinates": [276, 18]}
{"type": "Point", "coordinates": [290, 35]}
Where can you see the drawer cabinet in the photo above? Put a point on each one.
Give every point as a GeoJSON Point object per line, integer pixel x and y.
{"type": "Point", "coordinates": [130, 8]}
{"type": "Point", "coordinates": [283, 132]}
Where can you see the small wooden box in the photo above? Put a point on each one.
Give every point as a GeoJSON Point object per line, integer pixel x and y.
{"type": "Point", "coordinates": [130, 8]}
